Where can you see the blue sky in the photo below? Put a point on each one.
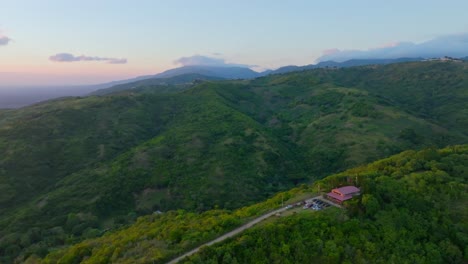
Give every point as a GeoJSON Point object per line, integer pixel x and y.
{"type": "Point", "coordinates": [111, 40]}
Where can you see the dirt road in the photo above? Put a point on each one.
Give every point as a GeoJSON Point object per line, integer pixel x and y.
{"type": "Point", "coordinates": [228, 235]}
{"type": "Point", "coordinates": [232, 233]}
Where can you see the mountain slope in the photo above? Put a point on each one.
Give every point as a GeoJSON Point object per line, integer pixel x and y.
{"type": "Point", "coordinates": [410, 209]}
{"type": "Point", "coordinates": [171, 84]}
{"type": "Point", "coordinates": [225, 72]}
{"type": "Point", "coordinates": [82, 165]}
{"type": "Point", "coordinates": [179, 76]}
{"type": "Point", "coordinates": [432, 90]}
{"type": "Point", "coordinates": [348, 63]}
{"type": "Point", "coordinates": [19, 97]}
{"type": "Point", "coordinates": [325, 112]}
{"type": "Point", "coordinates": [180, 165]}
{"type": "Point", "coordinates": [15, 97]}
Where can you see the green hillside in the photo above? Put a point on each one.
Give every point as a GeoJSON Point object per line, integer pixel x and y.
{"type": "Point", "coordinates": [326, 112]}
{"type": "Point", "coordinates": [158, 85]}
{"type": "Point", "coordinates": [151, 152]}
{"type": "Point", "coordinates": [412, 209]}
{"type": "Point", "coordinates": [72, 168]}
{"type": "Point", "coordinates": [160, 237]}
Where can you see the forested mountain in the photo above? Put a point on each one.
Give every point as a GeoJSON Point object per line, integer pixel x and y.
{"type": "Point", "coordinates": [225, 72]}
{"type": "Point", "coordinates": [412, 209]}
{"type": "Point", "coordinates": [348, 63]}
{"type": "Point", "coordinates": [71, 168]}
{"type": "Point", "coordinates": [15, 97]}
{"type": "Point", "coordinates": [180, 75]}
{"type": "Point", "coordinates": [171, 84]}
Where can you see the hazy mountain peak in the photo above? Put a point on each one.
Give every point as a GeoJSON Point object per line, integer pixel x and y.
{"type": "Point", "coordinates": [454, 45]}
{"type": "Point", "coordinates": [223, 71]}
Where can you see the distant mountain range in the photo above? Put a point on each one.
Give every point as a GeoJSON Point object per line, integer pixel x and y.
{"type": "Point", "coordinates": [14, 98]}
{"type": "Point", "coordinates": [190, 73]}
{"type": "Point", "coordinates": [236, 72]}
{"type": "Point", "coordinates": [349, 63]}
{"type": "Point", "coordinates": [182, 75]}
{"type": "Point", "coordinates": [214, 71]}
{"type": "Point", "coordinates": [218, 72]}
{"type": "Point", "coordinates": [183, 79]}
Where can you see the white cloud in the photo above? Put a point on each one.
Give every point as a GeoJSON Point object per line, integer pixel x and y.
{"type": "Point", "coordinates": [449, 45]}
{"type": "Point", "coordinates": [67, 57]}
{"type": "Point", "coordinates": [199, 60]}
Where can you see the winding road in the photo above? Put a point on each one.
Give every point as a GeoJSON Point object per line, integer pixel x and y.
{"type": "Point", "coordinates": [236, 231]}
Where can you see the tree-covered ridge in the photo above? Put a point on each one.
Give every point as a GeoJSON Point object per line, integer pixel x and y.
{"type": "Point", "coordinates": [185, 165]}
{"type": "Point", "coordinates": [413, 209]}
{"type": "Point", "coordinates": [96, 194]}
{"type": "Point", "coordinates": [325, 112]}
{"type": "Point", "coordinates": [158, 85]}
{"type": "Point", "coordinates": [72, 168]}
{"type": "Point", "coordinates": [158, 238]}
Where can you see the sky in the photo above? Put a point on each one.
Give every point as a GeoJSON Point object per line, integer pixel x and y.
{"type": "Point", "coordinates": [69, 42]}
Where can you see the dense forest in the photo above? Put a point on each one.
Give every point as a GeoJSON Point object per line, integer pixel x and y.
{"type": "Point", "coordinates": [77, 168]}
{"type": "Point", "coordinates": [412, 209]}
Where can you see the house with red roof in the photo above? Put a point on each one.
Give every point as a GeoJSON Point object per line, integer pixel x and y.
{"type": "Point", "coordinates": [339, 195]}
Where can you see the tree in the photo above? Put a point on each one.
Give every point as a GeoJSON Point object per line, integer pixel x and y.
{"type": "Point", "coordinates": [370, 204]}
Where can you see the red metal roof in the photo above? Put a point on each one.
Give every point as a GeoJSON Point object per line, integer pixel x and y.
{"type": "Point", "coordinates": [345, 190]}
{"type": "Point", "coordinates": [339, 197]}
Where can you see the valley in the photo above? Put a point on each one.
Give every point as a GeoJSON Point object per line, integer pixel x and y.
{"type": "Point", "coordinates": [233, 132]}
{"type": "Point", "coordinates": [83, 168]}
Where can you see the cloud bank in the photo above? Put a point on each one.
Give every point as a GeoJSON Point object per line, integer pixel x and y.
{"type": "Point", "coordinates": [4, 40]}
{"type": "Point", "coordinates": [449, 45]}
{"type": "Point", "coordinates": [67, 57]}
{"type": "Point", "coordinates": [199, 60]}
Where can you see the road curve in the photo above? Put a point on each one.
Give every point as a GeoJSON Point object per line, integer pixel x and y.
{"type": "Point", "coordinates": [234, 232]}
{"type": "Point", "coordinates": [228, 235]}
